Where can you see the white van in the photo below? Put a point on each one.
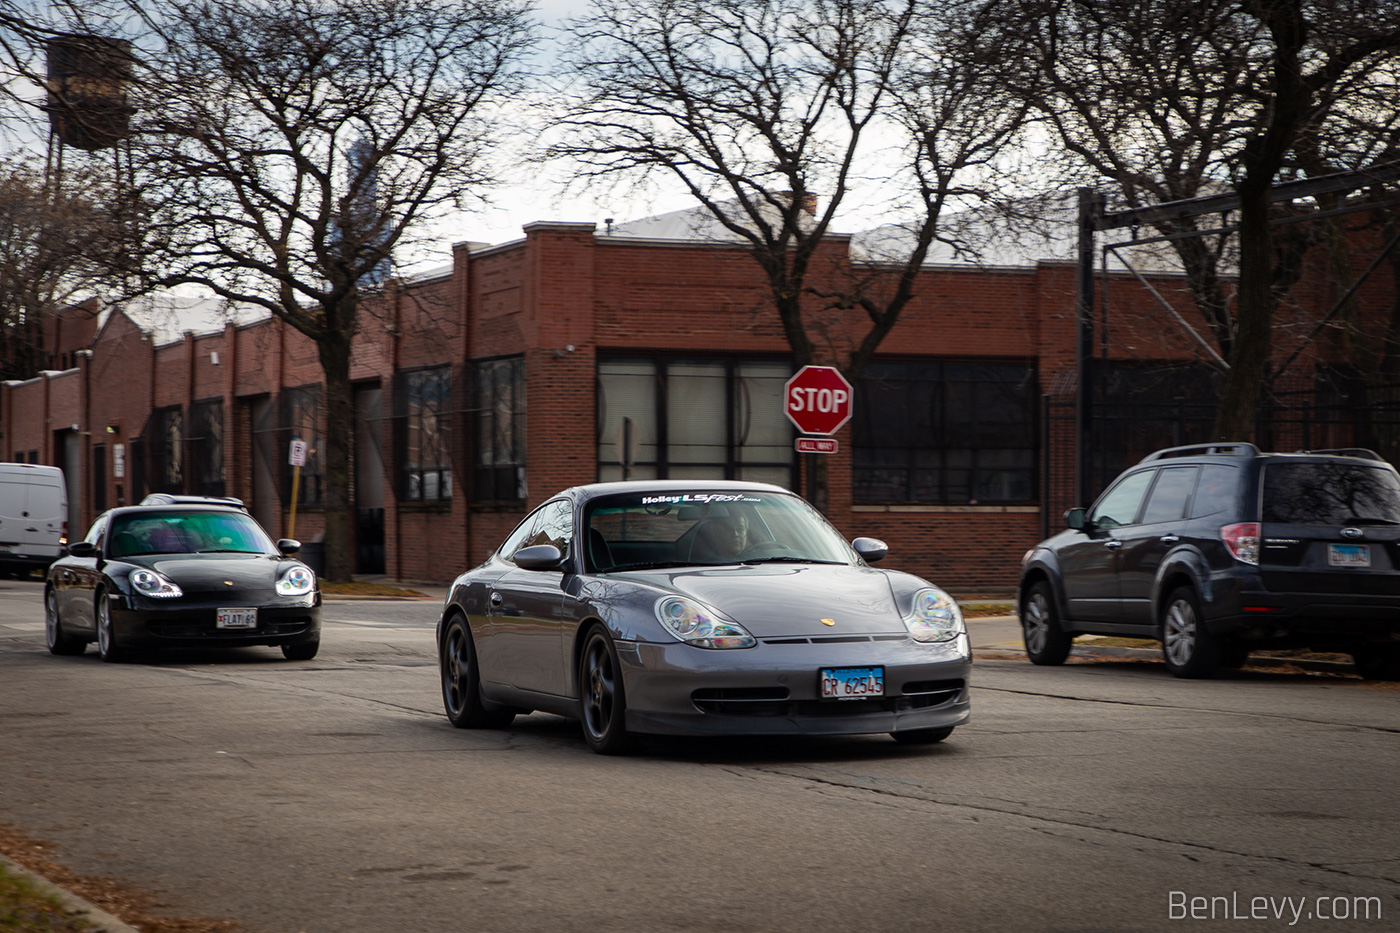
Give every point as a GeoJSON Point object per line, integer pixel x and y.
{"type": "Point", "coordinates": [33, 516]}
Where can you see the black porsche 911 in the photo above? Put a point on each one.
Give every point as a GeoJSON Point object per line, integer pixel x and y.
{"type": "Point", "coordinates": [180, 576]}
{"type": "Point", "coordinates": [699, 608]}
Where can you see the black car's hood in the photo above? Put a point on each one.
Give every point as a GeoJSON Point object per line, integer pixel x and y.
{"type": "Point", "coordinates": [215, 573]}
{"type": "Point", "coordinates": [774, 600]}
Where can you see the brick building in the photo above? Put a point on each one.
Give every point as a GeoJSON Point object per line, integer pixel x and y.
{"type": "Point", "coordinates": [574, 355]}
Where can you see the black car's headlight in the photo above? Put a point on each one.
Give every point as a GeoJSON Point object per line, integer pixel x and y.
{"type": "Point", "coordinates": [150, 583]}
{"type": "Point", "coordinates": [696, 624]}
{"type": "Point", "coordinates": [296, 582]}
{"type": "Point", "coordinates": [934, 616]}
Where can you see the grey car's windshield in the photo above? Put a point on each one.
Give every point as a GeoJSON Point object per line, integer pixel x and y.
{"type": "Point", "coordinates": [646, 530]}
{"type": "Point", "coordinates": [186, 532]}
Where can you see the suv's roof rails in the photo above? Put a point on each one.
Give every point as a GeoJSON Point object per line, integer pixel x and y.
{"type": "Point", "coordinates": [1364, 453]}
{"type": "Point", "coordinates": [1229, 449]}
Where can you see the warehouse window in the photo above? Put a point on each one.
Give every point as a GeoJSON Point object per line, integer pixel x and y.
{"type": "Point", "coordinates": [302, 419]}
{"type": "Point", "coordinates": [498, 410]}
{"type": "Point", "coordinates": [206, 448]}
{"type": "Point", "coordinates": [951, 432]}
{"type": "Point", "coordinates": [671, 418]}
{"type": "Point", "coordinates": [425, 456]}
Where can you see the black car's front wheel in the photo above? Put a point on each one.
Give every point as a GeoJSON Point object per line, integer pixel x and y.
{"type": "Point", "coordinates": [602, 702]}
{"type": "Point", "coordinates": [461, 681]}
{"type": "Point", "coordinates": [1046, 642]}
{"type": "Point", "coordinates": [1188, 647]}
{"type": "Point", "coordinates": [1377, 662]}
{"type": "Point", "coordinates": [59, 642]}
{"type": "Point", "coordinates": [301, 652]}
{"type": "Point", "coordinates": [107, 645]}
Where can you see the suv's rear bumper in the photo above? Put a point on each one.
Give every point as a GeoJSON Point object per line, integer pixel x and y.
{"type": "Point", "coordinates": [1261, 616]}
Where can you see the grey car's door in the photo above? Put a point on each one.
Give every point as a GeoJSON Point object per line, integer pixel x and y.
{"type": "Point", "coordinates": [1147, 543]}
{"type": "Point", "coordinates": [528, 613]}
{"type": "Point", "coordinates": [1089, 564]}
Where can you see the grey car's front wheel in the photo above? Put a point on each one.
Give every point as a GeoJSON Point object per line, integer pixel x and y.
{"type": "Point", "coordinates": [461, 681]}
{"type": "Point", "coordinates": [1188, 647]}
{"type": "Point", "coordinates": [59, 642]}
{"type": "Point", "coordinates": [602, 701]}
{"type": "Point", "coordinates": [1046, 642]}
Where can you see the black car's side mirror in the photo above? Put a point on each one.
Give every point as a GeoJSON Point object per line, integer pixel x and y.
{"type": "Point", "coordinates": [872, 549]}
{"type": "Point", "coordinates": [1074, 518]}
{"type": "Point", "coordinates": [82, 549]}
{"type": "Point", "coordinates": [539, 557]}
{"type": "Point", "coordinates": [288, 546]}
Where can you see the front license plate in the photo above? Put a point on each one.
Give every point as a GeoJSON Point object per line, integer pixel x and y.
{"type": "Point", "coordinates": [238, 618]}
{"type": "Point", "coordinates": [852, 683]}
{"type": "Point", "coordinates": [1349, 555]}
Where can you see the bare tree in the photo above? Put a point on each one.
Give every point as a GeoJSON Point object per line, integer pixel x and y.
{"type": "Point", "coordinates": [1180, 98]}
{"type": "Point", "coordinates": [283, 151]}
{"type": "Point", "coordinates": [781, 117]}
{"type": "Point", "coordinates": [56, 244]}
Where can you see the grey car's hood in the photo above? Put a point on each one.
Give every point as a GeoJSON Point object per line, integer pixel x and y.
{"type": "Point", "coordinates": [774, 600]}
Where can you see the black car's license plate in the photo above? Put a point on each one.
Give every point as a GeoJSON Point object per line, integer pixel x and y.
{"type": "Point", "coordinates": [237, 618]}
{"type": "Point", "coordinates": [852, 683]}
{"type": "Point", "coordinates": [1349, 555]}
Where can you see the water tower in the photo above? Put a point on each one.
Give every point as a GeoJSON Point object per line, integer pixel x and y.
{"type": "Point", "coordinates": [88, 77]}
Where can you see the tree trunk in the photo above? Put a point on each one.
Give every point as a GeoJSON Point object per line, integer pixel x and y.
{"type": "Point", "coordinates": [1253, 345]}
{"type": "Point", "coordinates": [340, 428]}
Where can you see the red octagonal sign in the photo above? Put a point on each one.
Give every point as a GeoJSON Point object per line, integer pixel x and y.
{"type": "Point", "coordinates": [818, 400]}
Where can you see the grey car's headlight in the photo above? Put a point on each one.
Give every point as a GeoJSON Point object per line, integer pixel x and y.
{"type": "Point", "coordinates": [934, 616]}
{"type": "Point", "coordinates": [296, 582]}
{"type": "Point", "coordinates": [150, 583]}
{"type": "Point", "coordinates": [698, 625]}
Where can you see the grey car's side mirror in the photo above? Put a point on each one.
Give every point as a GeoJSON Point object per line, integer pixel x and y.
{"type": "Point", "coordinates": [872, 549]}
{"type": "Point", "coordinates": [288, 546]}
{"type": "Point", "coordinates": [539, 557]}
{"type": "Point", "coordinates": [1074, 518]}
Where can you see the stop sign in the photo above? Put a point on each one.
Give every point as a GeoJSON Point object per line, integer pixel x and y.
{"type": "Point", "coordinates": [818, 400]}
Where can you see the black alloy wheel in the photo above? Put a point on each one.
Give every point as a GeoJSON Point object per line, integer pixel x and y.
{"type": "Point", "coordinates": [1377, 662]}
{"type": "Point", "coordinates": [461, 681]}
{"type": "Point", "coordinates": [304, 651]}
{"type": "Point", "coordinates": [1046, 642]}
{"type": "Point", "coordinates": [602, 704]}
{"type": "Point", "coordinates": [58, 641]}
{"type": "Point", "coordinates": [1188, 647]}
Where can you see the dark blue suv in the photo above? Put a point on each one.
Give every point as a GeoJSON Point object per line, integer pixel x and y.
{"type": "Point", "coordinates": [1222, 549]}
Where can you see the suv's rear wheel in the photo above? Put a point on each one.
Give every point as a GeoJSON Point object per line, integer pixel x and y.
{"type": "Point", "coordinates": [1046, 642]}
{"type": "Point", "coordinates": [1377, 662]}
{"type": "Point", "coordinates": [1189, 649]}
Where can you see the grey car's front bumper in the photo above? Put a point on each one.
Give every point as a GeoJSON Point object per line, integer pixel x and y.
{"type": "Point", "coordinates": [773, 689]}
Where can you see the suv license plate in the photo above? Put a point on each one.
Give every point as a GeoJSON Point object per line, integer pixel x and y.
{"type": "Point", "coordinates": [237, 618]}
{"type": "Point", "coordinates": [1349, 555]}
{"type": "Point", "coordinates": [852, 683]}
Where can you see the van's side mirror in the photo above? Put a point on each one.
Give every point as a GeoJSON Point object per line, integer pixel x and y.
{"type": "Point", "coordinates": [288, 546]}
{"type": "Point", "coordinates": [872, 549]}
{"type": "Point", "coordinates": [82, 549]}
{"type": "Point", "coordinates": [1074, 518]}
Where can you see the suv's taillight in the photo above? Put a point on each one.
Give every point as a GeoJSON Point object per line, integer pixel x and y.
{"type": "Point", "coordinates": [1243, 541]}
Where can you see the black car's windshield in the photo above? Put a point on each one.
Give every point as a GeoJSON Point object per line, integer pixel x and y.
{"type": "Point", "coordinates": [647, 530]}
{"type": "Point", "coordinates": [1330, 493]}
{"type": "Point", "coordinates": [172, 531]}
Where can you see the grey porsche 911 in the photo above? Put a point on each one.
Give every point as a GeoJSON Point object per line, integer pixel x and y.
{"type": "Point", "coordinates": [699, 608]}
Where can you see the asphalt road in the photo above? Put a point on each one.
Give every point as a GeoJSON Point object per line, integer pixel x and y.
{"type": "Point", "coordinates": [333, 797]}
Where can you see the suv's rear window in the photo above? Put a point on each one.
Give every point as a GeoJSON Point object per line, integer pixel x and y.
{"type": "Point", "coordinates": [1330, 493]}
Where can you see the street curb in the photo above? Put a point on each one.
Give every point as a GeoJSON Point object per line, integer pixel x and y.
{"type": "Point", "coordinates": [75, 906]}
{"type": "Point", "coordinates": [1114, 651]}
